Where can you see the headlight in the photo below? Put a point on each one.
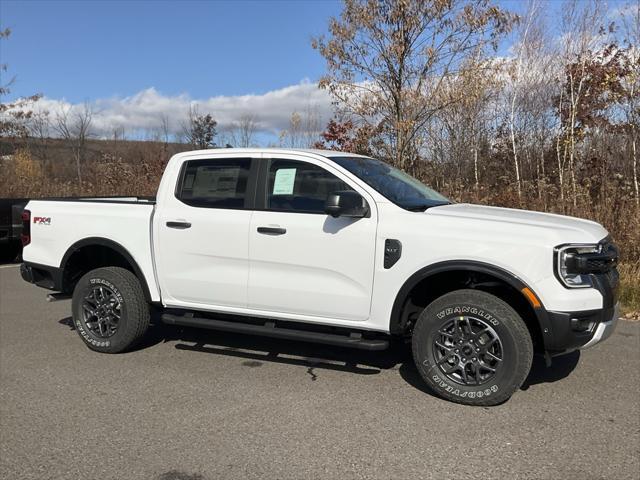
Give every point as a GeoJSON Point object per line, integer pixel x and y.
{"type": "Point", "coordinates": [566, 270]}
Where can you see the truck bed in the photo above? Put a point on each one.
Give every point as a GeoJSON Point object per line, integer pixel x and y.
{"type": "Point", "coordinates": [59, 226]}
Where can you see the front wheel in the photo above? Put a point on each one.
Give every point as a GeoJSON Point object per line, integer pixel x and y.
{"type": "Point", "coordinates": [471, 347]}
{"type": "Point", "coordinates": [110, 312]}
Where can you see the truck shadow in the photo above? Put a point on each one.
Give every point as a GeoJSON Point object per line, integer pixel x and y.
{"type": "Point", "coordinates": [561, 368]}
{"type": "Point", "coordinates": [255, 351]}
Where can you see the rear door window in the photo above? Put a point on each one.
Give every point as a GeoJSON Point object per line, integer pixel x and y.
{"type": "Point", "coordinates": [215, 183]}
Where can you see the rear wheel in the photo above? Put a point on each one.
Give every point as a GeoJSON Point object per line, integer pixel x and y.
{"type": "Point", "coordinates": [471, 347]}
{"type": "Point", "coordinates": [110, 312]}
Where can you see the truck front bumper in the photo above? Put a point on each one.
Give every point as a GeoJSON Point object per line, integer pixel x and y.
{"type": "Point", "coordinates": [604, 329]}
{"type": "Point", "coordinates": [577, 330]}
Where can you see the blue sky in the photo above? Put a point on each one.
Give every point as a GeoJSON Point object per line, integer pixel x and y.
{"type": "Point", "coordinates": [91, 49]}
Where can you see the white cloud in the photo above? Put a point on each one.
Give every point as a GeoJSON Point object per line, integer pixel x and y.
{"type": "Point", "coordinates": [141, 113]}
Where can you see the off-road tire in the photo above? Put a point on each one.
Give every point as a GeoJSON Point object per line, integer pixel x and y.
{"type": "Point", "coordinates": [484, 309]}
{"type": "Point", "coordinates": [133, 310]}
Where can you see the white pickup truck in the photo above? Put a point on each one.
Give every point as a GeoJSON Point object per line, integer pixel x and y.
{"type": "Point", "coordinates": [332, 248]}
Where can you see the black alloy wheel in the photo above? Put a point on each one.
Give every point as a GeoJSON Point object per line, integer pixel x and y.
{"type": "Point", "coordinates": [468, 350]}
{"type": "Point", "coordinates": [101, 311]}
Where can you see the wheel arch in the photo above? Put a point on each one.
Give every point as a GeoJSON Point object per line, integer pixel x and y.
{"type": "Point", "coordinates": [455, 274]}
{"type": "Point", "coordinates": [109, 251]}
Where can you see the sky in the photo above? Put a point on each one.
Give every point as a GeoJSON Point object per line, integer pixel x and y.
{"type": "Point", "coordinates": [139, 57]}
{"type": "Point", "coordinates": [90, 49]}
{"type": "Point", "coordinates": [136, 60]}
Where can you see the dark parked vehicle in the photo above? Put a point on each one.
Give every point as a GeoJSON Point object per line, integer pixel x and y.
{"type": "Point", "coordinates": [11, 227]}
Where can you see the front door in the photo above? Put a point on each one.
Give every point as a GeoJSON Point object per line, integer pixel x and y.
{"type": "Point", "coordinates": [303, 261]}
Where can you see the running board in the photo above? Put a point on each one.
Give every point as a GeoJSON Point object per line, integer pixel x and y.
{"type": "Point", "coordinates": [269, 329]}
{"type": "Point", "coordinates": [55, 297]}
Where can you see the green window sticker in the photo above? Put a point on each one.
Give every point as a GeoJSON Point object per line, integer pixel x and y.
{"type": "Point", "coordinates": [283, 184]}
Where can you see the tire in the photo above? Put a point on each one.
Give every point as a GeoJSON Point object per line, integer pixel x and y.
{"type": "Point", "coordinates": [461, 337]}
{"type": "Point", "coordinates": [109, 293]}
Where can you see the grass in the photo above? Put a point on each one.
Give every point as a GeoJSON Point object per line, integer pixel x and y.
{"type": "Point", "coordinates": [630, 287]}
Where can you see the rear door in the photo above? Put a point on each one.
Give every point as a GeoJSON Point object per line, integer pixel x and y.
{"type": "Point", "coordinates": [303, 261]}
{"type": "Point", "coordinates": [203, 233]}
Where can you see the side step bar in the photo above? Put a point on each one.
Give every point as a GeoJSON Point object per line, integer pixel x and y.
{"type": "Point", "coordinates": [55, 297]}
{"type": "Point", "coordinates": [269, 329]}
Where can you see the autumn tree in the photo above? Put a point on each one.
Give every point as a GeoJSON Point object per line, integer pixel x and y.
{"type": "Point", "coordinates": [594, 83]}
{"type": "Point", "coordinates": [387, 61]}
{"type": "Point", "coordinates": [345, 136]}
{"type": "Point", "coordinates": [199, 129]}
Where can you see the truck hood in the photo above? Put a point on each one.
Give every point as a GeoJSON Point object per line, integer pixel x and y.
{"type": "Point", "coordinates": [571, 229]}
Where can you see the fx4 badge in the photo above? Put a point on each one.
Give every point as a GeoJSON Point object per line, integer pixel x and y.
{"type": "Point", "coordinates": [42, 220]}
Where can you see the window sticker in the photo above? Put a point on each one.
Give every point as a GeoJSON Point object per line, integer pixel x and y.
{"type": "Point", "coordinates": [216, 182]}
{"type": "Point", "coordinates": [283, 184]}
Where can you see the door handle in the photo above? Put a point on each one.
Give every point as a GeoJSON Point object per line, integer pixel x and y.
{"type": "Point", "coordinates": [179, 225]}
{"type": "Point", "coordinates": [272, 230]}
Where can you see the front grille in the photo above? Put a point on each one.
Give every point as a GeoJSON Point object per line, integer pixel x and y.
{"type": "Point", "coordinates": [599, 262]}
{"type": "Point", "coordinates": [610, 278]}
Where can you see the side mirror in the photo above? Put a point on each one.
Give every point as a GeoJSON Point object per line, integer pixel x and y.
{"type": "Point", "coordinates": [346, 203]}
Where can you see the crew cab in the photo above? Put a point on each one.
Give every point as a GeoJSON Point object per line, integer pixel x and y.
{"type": "Point", "coordinates": [333, 248]}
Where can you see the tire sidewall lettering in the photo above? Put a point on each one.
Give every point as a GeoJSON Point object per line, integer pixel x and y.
{"type": "Point", "coordinates": [459, 390]}
{"type": "Point", "coordinates": [447, 312]}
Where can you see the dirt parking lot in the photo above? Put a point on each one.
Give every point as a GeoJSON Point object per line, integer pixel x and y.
{"type": "Point", "coordinates": [197, 405]}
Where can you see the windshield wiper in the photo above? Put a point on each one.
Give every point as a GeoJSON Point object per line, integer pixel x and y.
{"type": "Point", "coordinates": [425, 206]}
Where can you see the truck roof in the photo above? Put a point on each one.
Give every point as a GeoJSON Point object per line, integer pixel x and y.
{"type": "Point", "coordinates": [323, 153]}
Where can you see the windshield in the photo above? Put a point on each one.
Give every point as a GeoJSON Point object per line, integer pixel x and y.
{"type": "Point", "coordinates": [402, 189]}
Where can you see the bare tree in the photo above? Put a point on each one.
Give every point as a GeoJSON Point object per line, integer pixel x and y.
{"type": "Point", "coordinates": [165, 128]}
{"type": "Point", "coordinates": [39, 131]}
{"type": "Point", "coordinates": [243, 131]}
{"type": "Point", "coordinates": [631, 93]}
{"type": "Point", "coordinates": [311, 125]}
{"type": "Point", "coordinates": [304, 129]}
{"type": "Point", "coordinates": [461, 131]}
{"type": "Point", "coordinates": [516, 81]}
{"type": "Point", "coordinates": [74, 126]}
{"type": "Point", "coordinates": [293, 137]}
{"type": "Point", "coordinates": [581, 24]}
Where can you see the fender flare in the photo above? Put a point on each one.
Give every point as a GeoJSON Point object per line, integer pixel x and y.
{"type": "Point", "coordinates": [470, 266]}
{"type": "Point", "coordinates": [115, 246]}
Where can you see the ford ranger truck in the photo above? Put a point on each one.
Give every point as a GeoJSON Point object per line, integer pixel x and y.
{"type": "Point", "coordinates": [333, 248]}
